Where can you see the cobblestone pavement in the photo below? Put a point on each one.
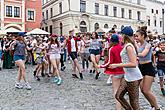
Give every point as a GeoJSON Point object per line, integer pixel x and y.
{"type": "Point", "coordinates": [73, 94]}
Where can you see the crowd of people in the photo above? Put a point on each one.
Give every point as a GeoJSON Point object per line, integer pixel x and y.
{"type": "Point", "coordinates": [129, 60]}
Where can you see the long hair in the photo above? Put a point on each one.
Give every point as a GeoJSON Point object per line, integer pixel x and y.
{"type": "Point", "coordinates": [96, 35]}
{"type": "Point", "coordinates": [113, 44]}
{"type": "Point", "coordinates": [127, 39]}
{"type": "Point", "coordinates": [142, 32]}
{"type": "Point", "coordinates": [52, 41]}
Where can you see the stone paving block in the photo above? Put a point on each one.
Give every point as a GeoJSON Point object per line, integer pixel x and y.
{"type": "Point", "coordinates": [73, 94]}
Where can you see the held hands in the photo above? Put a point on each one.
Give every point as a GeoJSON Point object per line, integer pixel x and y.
{"type": "Point", "coordinates": [113, 66]}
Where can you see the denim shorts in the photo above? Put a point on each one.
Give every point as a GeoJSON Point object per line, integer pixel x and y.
{"type": "Point", "coordinates": [95, 52]}
{"type": "Point", "coordinates": [0, 54]}
{"type": "Point", "coordinates": [19, 57]}
{"type": "Point", "coordinates": [161, 72]}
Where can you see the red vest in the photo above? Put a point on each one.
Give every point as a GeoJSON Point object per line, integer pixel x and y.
{"type": "Point", "coordinates": [69, 45]}
{"type": "Point", "coordinates": [113, 57]}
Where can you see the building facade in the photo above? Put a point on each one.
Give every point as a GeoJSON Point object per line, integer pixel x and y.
{"type": "Point", "coordinates": [61, 16]}
{"type": "Point", "coordinates": [22, 15]}
{"type": "Point", "coordinates": [155, 15]}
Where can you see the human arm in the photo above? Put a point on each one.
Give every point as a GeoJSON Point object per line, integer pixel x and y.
{"type": "Point", "coordinates": [110, 59]}
{"type": "Point", "coordinates": [132, 60]}
{"type": "Point", "coordinates": [145, 51]}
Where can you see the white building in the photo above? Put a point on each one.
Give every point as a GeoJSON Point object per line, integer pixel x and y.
{"type": "Point", "coordinates": [155, 17]}
{"type": "Point", "coordinates": [61, 16]}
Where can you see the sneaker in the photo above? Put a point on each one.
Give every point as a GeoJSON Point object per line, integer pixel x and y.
{"type": "Point", "coordinates": [37, 78]}
{"type": "Point", "coordinates": [64, 67]}
{"type": "Point", "coordinates": [163, 91]}
{"type": "Point", "coordinates": [59, 81]}
{"type": "Point", "coordinates": [18, 86]}
{"type": "Point", "coordinates": [47, 74]}
{"type": "Point", "coordinates": [94, 71]}
{"type": "Point", "coordinates": [34, 73]}
{"type": "Point", "coordinates": [83, 70]}
{"type": "Point", "coordinates": [75, 76]}
{"type": "Point", "coordinates": [42, 74]}
{"type": "Point", "coordinates": [97, 76]}
{"type": "Point", "coordinates": [55, 80]}
{"type": "Point", "coordinates": [81, 76]}
{"type": "Point", "coordinates": [90, 71]}
{"type": "Point", "coordinates": [27, 86]}
{"type": "Point", "coordinates": [153, 108]}
{"type": "Point", "coordinates": [109, 81]}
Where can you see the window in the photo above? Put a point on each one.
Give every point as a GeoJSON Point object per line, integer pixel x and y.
{"type": "Point", "coordinates": [83, 27]}
{"type": "Point", "coordinates": [16, 11]}
{"type": "Point", "coordinates": [60, 8]}
{"type": "Point", "coordinates": [50, 29]}
{"type": "Point", "coordinates": [106, 10]}
{"type": "Point", "coordinates": [106, 26]}
{"type": "Point", "coordinates": [122, 12]}
{"type": "Point", "coordinates": [148, 22]}
{"type": "Point", "coordinates": [51, 12]}
{"type": "Point", "coordinates": [156, 11]}
{"type": "Point", "coordinates": [8, 11]}
{"type": "Point", "coordinates": [115, 11]}
{"type": "Point", "coordinates": [82, 6]}
{"type": "Point", "coordinates": [96, 8]}
{"type": "Point", "coordinates": [43, 15]}
{"type": "Point", "coordinates": [138, 15]}
{"type": "Point", "coordinates": [30, 15]}
{"type": "Point", "coordinates": [138, 2]}
{"type": "Point", "coordinates": [61, 29]}
{"type": "Point", "coordinates": [152, 11]}
{"type": "Point", "coordinates": [130, 14]}
{"type": "Point", "coordinates": [46, 14]}
{"type": "Point", "coordinates": [155, 22]}
{"type": "Point", "coordinates": [160, 23]}
{"type": "Point", "coordinates": [46, 28]}
{"type": "Point", "coordinates": [96, 26]}
{"type": "Point", "coordinates": [122, 27]}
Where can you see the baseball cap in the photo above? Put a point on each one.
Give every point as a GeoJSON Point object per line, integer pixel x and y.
{"type": "Point", "coordinates": [114, 38]}
{"type": "Point", "coordinates": [54, 35]}
{"type": "Point", "coordinates": [127, 31]}
{"type": "Point", "coordinates": [21, 34]}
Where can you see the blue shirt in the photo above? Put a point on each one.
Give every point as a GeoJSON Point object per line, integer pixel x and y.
{"type": "Point", "coordinates": [141, 48]}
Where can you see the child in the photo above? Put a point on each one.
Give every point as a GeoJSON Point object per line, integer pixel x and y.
{"type": "Point", "coordinates": [161, 64]}
{"type": "Point", "coordinates": [114, 57]}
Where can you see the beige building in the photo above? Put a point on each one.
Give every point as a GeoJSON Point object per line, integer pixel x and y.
{"type": "Point", "coordinates": [61, 16]}
{"type": "Point", "coordinates": [155, 16]}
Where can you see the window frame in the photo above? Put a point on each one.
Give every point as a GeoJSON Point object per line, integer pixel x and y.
{"type": "Point", "coordinates": [28, 14]}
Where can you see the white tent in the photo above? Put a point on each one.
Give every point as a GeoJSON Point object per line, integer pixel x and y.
{"type": "Point", "coordinates": [12, 30]}
{"type": "Point", "coordinates": [106, 30]}
{"type": "Point", "coordinates": [2, 33]}
{"type": "Point", "coordinates": [37, 31]}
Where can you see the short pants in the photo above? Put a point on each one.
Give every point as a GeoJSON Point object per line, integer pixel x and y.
{"type": "Point", "coordinates": [161, 72]}
{"type": "Point", "coordinates": [73, 55]}
{"type": "Point", "coordinates": [19, 57]}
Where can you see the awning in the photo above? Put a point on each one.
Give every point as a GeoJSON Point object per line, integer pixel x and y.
{"type": "Point", "coordinates": [37, 31]}
{"type": "Point", "coordinates": [12, 30]}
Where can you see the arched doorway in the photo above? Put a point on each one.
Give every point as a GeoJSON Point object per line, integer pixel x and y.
{"type": "Point", "coordinates": [106, 26]}
{"type": "Point", "coordinates": [96, 26]}
{"type": "Point", "coordinates": [61, 29]}
{"type": "Point", "coordinates": [83, 26]}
